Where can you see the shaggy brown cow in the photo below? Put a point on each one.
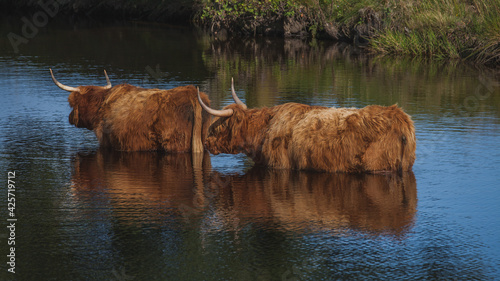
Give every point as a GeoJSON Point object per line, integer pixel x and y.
{"type": "Point", "coordinates": [130, 118]}
{"type": "Point", "coordinates": [304, 137]}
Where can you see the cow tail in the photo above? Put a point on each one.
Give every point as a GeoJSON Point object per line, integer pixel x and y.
{"type": "Point", "coordinates": [197, 144]}
{"type": "Point", "coordinates": [404, 141]}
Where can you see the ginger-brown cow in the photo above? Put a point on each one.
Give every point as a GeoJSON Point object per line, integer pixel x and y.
{"type": "Point", "coordinates": [298, 136]}
{"type": "Point", "coordinates": [130, 118]}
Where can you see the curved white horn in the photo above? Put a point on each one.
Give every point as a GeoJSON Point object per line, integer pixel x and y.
{"type": "Point", "coordinates": [108, 86]}
{"type": "Point", "coordinates": [220, 113]}
{"type": "Point", "coordinates": [60, 85]}
{"type": "Point", "coordinates": [235, 97]}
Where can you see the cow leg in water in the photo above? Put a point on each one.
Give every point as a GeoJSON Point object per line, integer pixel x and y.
{"type": "Point", "coordinates": [196, 143]}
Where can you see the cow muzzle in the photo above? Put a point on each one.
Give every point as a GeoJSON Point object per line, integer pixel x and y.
{"type": "Point", "coordinates": [73, 117]}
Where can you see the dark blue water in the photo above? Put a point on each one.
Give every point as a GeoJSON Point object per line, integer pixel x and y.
{"type": "Point", "coordinates": [87, 214]}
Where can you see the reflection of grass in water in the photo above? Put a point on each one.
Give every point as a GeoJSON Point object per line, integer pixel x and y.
{"type": "Point", "coordinates": [270, 68]}
{"type": "Point", "coordinates": [276, 72]}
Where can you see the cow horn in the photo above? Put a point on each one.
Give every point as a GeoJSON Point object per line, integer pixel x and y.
{"type": "Point", "coordinates": [60, 85]}
{"type": "Point", "coordinates": [108, 86]}
{"type": "Point", "coordinates": [235, 97]}
{"type": "Point", "coordinates": [220, 113]}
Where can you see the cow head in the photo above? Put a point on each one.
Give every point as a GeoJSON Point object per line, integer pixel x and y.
{"type": "Point", "coordinates": [235, 129]}
{"type": "Point", "coordinates": [85, 102]}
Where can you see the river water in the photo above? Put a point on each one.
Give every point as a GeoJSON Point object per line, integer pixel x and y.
{"type": "Point", "coordinates": [82, 213]}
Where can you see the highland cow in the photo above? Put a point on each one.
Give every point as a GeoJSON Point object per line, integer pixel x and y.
{"type": "Point", "coordinates": [130, 118]}
{"type": "Point", "coordinates": [298, 136]}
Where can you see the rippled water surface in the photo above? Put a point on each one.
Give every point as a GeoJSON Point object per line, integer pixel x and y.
{"type": "Point", "coordinates": [88, 214]}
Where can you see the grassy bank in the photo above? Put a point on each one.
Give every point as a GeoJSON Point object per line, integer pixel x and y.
{"type": "Point", "coordinates": [443, 29]}
{"type": "Point", "coordinates": [439, 29]}
{"type": "Point", "coordinates": [447, 29]}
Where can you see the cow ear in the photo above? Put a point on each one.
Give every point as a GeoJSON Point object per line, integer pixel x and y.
{"type": "Point", "coordinates": [73, 98]}
{"type": "Point", "coordinates": [238, 131]}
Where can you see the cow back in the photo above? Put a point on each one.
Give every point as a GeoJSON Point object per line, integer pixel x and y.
{"type": "Point", "coordinates": [135, 118]}
{"type": "Point", "coordinates": [373, 138]}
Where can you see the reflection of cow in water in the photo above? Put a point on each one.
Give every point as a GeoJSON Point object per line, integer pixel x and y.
{"type": "Point", "coordinates": [151, 183]}
{"type": "Point", "coordinates": [301, 199]}
{"type": "Point", "coordinates": [131, 118]}
{"type": "Point", "coordinates": [304, 137]}
{"type": "Point", "coordinates": [141, 182]}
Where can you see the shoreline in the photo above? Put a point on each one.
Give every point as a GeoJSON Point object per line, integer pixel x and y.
{"type": "Point", "coordinates": [449, 30]}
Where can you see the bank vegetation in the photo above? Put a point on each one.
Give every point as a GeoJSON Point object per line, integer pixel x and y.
{"type": "Point", "coordinates": [466, 30]}
{"type": "Point", "coordinates": [438, 29]}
